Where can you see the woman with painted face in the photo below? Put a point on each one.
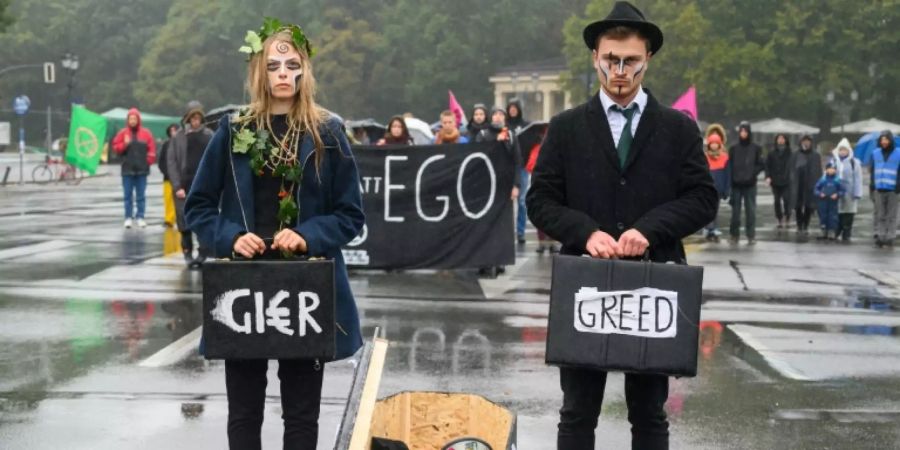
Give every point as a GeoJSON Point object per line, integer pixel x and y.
{"type": "Point", "coordinates": [279, 177]}
{"type": "Point", "coordinates": [397, 133]}
{"type": "Point", "coordinates": [478, 122]}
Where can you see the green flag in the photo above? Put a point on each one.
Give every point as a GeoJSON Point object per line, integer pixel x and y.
{"type": "Point", "coordinates": [86, 135]}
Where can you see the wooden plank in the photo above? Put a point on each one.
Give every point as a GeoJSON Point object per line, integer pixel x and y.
{"type": "Point", "coordinates": [361, 437]}
{"type": "Point", "coordinates": [345, 430]}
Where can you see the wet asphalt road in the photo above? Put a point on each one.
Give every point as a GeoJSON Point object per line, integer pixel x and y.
{"type": "Point", "coordinates": [799, 342]}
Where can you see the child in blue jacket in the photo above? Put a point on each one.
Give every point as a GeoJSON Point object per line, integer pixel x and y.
{"type": "Point", "coordinates": [829, 191]}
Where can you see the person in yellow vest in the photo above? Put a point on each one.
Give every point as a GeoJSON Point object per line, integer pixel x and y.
{"type": "Point", "coordinates": [168, 195]}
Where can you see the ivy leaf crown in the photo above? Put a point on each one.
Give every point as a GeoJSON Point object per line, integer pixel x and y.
{"type": "Point", "coordinates": [254, 39]}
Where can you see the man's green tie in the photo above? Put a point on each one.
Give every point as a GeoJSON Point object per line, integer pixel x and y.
{"type": "Point", "coordinates": [626, 138]}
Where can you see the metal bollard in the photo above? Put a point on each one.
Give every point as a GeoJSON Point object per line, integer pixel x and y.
{"type": "Point", "coordinates": [6, 176]}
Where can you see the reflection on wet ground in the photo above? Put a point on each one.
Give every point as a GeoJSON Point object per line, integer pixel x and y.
{"type": "Point", "coordinates": [83, 307]}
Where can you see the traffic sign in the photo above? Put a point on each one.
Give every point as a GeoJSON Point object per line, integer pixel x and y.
{"type": "Point", "coordinates": [49, 73]}
{"type": "Point", "coordinates": [21, 105]}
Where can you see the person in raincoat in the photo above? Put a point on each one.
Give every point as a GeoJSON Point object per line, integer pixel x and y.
{"type": "Point", "coordinates": [849, 170]}
{"type": "Point", "coordinates": [138, 149]}
{"type": "Point", "coordinates": [720, 170]}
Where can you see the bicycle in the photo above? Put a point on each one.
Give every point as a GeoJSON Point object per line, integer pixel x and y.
{"type": "Point", "coordinates": [53, 169]}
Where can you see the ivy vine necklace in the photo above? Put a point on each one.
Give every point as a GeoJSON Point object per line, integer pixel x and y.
{"type": "Point", "coordinates": [278, 156]}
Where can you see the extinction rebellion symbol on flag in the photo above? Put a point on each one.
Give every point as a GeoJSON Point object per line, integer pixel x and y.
{"type": "Point", "coordinates": [86, 142]}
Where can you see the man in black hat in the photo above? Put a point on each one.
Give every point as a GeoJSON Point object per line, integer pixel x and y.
{"type": "Point", "coordinates": [617, 177]}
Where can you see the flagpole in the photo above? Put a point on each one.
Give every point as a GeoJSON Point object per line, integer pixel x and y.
{"type": "Point", "coordinates": [49, 129]}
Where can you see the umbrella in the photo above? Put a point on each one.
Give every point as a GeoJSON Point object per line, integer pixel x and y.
{"type": "Point", "coordinates": [529, 136]}
{"type": "Point", "coordinates": [866, 126]}
{"type": "Point", "coordinates": [779, 125]}
{"type": "Point", "coordinates": [213, 115]}
{"type": "Point", "coordinates": [419, 130]}
{"type": "Point", "coordinates": [867, 144]}
{"type": "Point", "coordinates": [374, 130]}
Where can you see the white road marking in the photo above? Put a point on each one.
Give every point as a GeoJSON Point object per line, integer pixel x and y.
{"type": "Point", "coordinates": [176, 351]}
{"type": "Point", "coordinates": [32, 249]}
{"type": "Point", "coordinates": [780, 365]}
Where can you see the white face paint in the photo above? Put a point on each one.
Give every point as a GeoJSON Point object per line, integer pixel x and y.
{"type": "Point", "coordinates": [620, 65]}
{"type": "Point", "coordinates": [284, 69]}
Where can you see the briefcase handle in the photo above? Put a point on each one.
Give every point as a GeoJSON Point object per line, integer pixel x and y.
{"type": "Point", "coordinates": [273, 255]}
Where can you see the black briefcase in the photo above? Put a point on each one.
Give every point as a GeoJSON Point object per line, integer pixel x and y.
{"type": "Point", "coordinates": [624, 316]}
{"type": "Point", "coordinates": [268, 309]}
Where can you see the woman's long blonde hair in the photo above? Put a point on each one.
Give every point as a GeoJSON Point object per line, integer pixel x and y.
{"type": "Point", "coordinates": [304, 114]}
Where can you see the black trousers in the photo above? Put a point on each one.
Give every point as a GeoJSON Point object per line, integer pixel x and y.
{"type": "Point", "coordinates": [583, 390]}
{"type": "Point", "coordinates": [745, 195]}
{"type": "Point", "coordinates": [187, 244]}
{"type": "Point", "coordinates": [301, 395]}
{"type": "Point", "coordinates": [845, 225]}
{"type": "Point", "coordinates": [187, 241]}
{"type": "Point", "coordinates": [804, 214]}
{"type": "Point", "coordinates": [782, 202]}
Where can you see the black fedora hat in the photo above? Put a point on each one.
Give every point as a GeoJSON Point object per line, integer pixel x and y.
{"type": "Point", "coordinates": [624, 14]}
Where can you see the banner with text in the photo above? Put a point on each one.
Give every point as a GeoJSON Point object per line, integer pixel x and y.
{"type": "Point", "coordinates": [437, 207]}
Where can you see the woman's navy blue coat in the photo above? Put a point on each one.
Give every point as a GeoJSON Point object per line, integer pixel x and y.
{"type": "Point", "coordinates": [219, 207]}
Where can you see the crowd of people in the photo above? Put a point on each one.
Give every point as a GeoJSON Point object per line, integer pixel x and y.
{"type": "Point", "coordinates": [802, 183]}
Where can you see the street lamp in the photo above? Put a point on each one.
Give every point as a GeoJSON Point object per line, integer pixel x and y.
{"type": "Point", "coordinates": [70, 64]}
{"type": "Point", "coordinates": [535, 77]}
{"type": "Point", "coordinates": [514, 77]}
{"type": "Point", "coordinates": [841, 108]}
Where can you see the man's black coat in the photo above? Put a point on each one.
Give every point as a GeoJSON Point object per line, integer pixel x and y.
{"type": "Point", "coordinates": [665, 190]}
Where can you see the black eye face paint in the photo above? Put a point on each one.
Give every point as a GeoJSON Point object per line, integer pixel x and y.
{"type": "Point", "coordinates": [604, 68]}
{"type": "Point", "coordinates": [290, 65]}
